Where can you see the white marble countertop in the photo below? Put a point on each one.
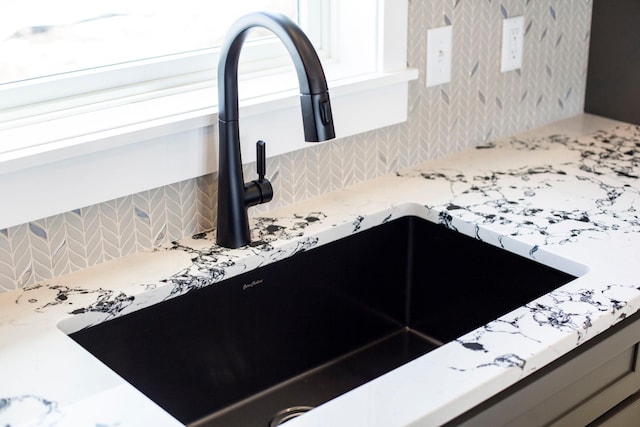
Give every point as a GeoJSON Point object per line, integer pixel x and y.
{"type": "Point", "coordinates": [566, 195]}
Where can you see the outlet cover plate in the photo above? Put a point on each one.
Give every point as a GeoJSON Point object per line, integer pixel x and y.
{"type": "Point", "coordinates": [512, 43]}
{"type": "Point", "coordinates": [439, 55]}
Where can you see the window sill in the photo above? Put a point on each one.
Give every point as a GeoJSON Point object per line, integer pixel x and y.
{"type": "Point", "coordinates": [54, 166]}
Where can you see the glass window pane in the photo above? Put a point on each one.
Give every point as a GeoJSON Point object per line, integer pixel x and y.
{"type": "Point", "coordinates": [40, 38]}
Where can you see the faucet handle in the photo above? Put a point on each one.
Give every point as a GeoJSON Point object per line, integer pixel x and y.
{"type": "Point", "coordinates": [261, 159]}
{"type": "Point", "coordinates": [259, 190]}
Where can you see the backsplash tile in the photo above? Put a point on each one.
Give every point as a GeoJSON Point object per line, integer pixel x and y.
{"type": "Point", "coordinates": [480, 104]}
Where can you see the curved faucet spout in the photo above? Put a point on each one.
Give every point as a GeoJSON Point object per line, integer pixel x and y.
{"type": "Point", "coordinates": [314, 94]}
{"type": "Point", "coordinates": [234, 195]}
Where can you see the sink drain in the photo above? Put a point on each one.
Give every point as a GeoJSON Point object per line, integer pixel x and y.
{"type": "Point", "coordinates": [287, 414]}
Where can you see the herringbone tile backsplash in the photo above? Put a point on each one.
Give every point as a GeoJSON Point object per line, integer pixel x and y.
{"type": "Point", "coordinates": [480, 104]}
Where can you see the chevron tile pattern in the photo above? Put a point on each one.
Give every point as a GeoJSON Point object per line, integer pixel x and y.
{"type": "Point", "coordinates": [479, 104]}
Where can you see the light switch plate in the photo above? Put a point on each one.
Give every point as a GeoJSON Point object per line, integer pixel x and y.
{"type": "Point", "coordinates": [512, 43]}
{"type": "Point", "coordinates": [439, 56]}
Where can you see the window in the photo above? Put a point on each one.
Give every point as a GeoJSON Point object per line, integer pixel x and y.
{"type": "Point", "coordinates": [42, 38]}
{"type": "Point", "coordinates": [75, 52]}
{"type": "Point", "coordinates": [127, 135]}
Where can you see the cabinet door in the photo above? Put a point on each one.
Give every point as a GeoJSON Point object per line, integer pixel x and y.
{"type": "Point", "coordinates": [575, 390]}
{"type": "Point", "coordinates": [625, 414]}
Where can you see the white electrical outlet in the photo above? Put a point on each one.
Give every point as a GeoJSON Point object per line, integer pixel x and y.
{"type": "Point", "coordinates": [512, 43]}
{"type": "Point", "coordinates": [438, 56]}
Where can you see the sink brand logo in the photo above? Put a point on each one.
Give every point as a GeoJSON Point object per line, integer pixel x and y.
{"type": "Point", "coordinates": [252, 284]}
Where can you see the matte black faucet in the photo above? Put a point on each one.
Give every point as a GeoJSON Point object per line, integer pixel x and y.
{"type": "Point", "coordinates": [234, 195]}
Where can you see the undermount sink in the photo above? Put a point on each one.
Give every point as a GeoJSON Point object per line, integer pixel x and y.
{"type": "Point", "coordinates": [299, 332]}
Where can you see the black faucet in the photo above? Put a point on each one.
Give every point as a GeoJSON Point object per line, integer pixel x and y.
{"type": "Point", "coordinates": [234, 195]}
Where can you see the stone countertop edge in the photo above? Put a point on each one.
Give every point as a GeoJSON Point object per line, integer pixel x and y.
{"type": "Point", "coordinates": [564, 194]}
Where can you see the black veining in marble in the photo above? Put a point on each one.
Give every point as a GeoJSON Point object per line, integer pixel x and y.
{"type": "Point", "coordinates": [473, 340]}
{"type": "Point", "coordinates": [357, 223]}
{"type": "Point", "coordinates": [617, 303]}
{"type": "Point", "coordinates": [574, 310]}
{"type": "Point", "coordinates": [506, 326]}
{"type": "Point", "coordinates": [213, 263]}
{"type": "Point", "coordinates": [14, 407]}
{"type": "Point", "coordinates": [558, 318]}
{"type": "Point", "coordinates": [208, 266]}
{"type": "Point", "coordinates": [602, 176]}
{"type": "Point", "coordinates": [561, 310]}
{"type": "Point", "coordinates": [508, 360]}
{"type": "Point", "coordinates": [106, 301]}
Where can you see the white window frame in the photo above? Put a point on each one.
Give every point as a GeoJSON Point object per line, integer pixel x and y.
{"type": "Point", "coordinates": [46, 98]}
{"type": "Point", "coordinates": [99, 154]}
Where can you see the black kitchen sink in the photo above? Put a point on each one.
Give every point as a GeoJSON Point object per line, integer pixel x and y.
{"type": "Point", "coordinates": [294, 334]}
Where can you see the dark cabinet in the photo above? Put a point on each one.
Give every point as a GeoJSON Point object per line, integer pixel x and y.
{"type": "Point", "coordinates": [576, 390]}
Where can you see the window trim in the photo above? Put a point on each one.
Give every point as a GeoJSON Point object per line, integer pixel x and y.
{"type": "Point", "coordinates": [69, 173]}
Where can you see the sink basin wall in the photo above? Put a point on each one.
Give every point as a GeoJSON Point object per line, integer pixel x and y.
{"type": "Point", "coordinates": [317, 324]}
